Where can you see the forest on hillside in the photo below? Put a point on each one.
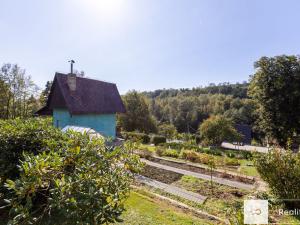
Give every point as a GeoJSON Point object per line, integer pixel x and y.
{"type": "Point", "coordinates": [187, 108]}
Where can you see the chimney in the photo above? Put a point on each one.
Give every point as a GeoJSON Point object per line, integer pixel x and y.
{"type": "Point", "coordinates": [72, 77]}
{"type": "Point", "coordinates": [71, 80]}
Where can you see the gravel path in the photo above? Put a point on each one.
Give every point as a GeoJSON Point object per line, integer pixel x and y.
{"type": "Point", "coordinates": [219, 180]}
{"type": "Point", "coordinates": [171, 189]}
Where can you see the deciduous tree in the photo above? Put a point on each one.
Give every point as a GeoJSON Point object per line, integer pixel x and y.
{"type": "Point", "coordinates": [217, 129]}
{"type": "Point", "coordinates": [137, 116]}
{"type": "Point", "coordinates": [276, 89]}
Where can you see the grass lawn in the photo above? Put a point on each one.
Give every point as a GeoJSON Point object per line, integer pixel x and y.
{"type": "Point", "coordinates": [247, 168]}
{"type": "Point", "coordinates": [149, 147]}
{"type": "Point", "coordinates": [220, 200]}
{"type": "Point", "coordinates": [141, 209]}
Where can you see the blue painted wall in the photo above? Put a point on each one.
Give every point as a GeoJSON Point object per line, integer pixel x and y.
{"type": "Point", "coordinates": [103, 123]}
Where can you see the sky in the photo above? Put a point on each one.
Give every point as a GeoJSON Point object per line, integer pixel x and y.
{"type": "Point", "coordinates": [147, 44]}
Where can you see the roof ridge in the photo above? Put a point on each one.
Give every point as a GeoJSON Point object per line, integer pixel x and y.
{"type": "Point", "coordinates": [87, 78]}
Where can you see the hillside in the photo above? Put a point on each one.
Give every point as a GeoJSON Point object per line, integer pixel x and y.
{"type": "Point", "coordinates": [187, 108]}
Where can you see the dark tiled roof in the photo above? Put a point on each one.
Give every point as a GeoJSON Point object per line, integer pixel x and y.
{"type": "Point", "coordinates": [90, 97]}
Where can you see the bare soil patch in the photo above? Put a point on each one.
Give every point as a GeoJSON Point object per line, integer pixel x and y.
{"type": "Point", "coordinates": [196, 169]}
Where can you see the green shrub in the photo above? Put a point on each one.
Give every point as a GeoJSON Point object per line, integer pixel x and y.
{"type": "Point", "coordinates": [145, 153]}
{"type": "Point", "coordinates": [180, 146]}
{"type": "Point", "coordinates": [171, 153]}
{"type": "Point", "coordinates": [134, 136]}
{"type": "Point", "coordinates": [232, 162]}
{"type": "Point", "coordinates": [83, 183]}
{"type": "Point", "coordinates": [156, 139]}
{"type": "Point", "coordinates": [212, 151]}
{"type": "Point", "coordinates": [159, 151]}
{"type": "Point", "coordinates": [197, 138]}
{"type": "Point", "coordinates": [189, 155]}
{"type": "Point", "coordinates": [255, 142]}
{"type": "Point", "coordinates": [230, 154]}
{"type": "Point", "coordinates": [31, 135]}
{"type": "Point", "coordinates": [204, 158]}
{"type": "Point", "coordinates": [246, 155]}
{"type": "Point", "coordinates": [197, 157]}
{"type": "Point", "coordinates": [281, 170]}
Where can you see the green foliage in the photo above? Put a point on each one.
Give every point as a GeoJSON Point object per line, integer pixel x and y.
{"type": "Point", "coordinates": [255, 142]}
{"type": "Point", "coordinates": [31, 135]}
{"type": "Point", "coordinates": [212, 165]}
{"type": "Point", "coordinates": [144, 153]}
{"type": "Point", "coordinates": [189, 155]}
{"type": "Point", "coordinates": [281, 170]}
{"type": "Point", "coordinates": [84, 182]}
{"type": "Point", "coordinates": [17, 93]}
{"type": "Point", "coordinates": [232, 162]}
{"type": "Point", "coordinates": [185, 111]}
{"type": "Point", "coordinates": [170, 153]}
{"type": "Point", "coordinates": [212, 151]}
{"type": "Point", "coordinates": [45, 93]}
{"type": "Point", "coordinates": [137, 116]}
{"type": "Point", "coordinates": [160, 151]}
{"type": "Point", "coordinates": [239, 154]}
{"type": "Point", "coordinates": [167, 152]}
{"type": "Point", "coordinates": [236, 214]}
{"type": "Point", "coordinates": [61, 178]}
{"type": "Point", "coordinates": [237, 90]}
{"type": "Point", "coordinates": [275, 88]}
{"type": "Point", "coordinates": [179, 146]}
{"type": "Point", "coordinates": [136, 137]}
{"type": "Point", "coordinates": [156, 139]}
{"type": "Point", "coordinates": [230, 154]}
{"type": "Point", "coordinates": [217, 129]}
{"type": "Point", "coordinates": [167, 130]}
{"type": "Point", "coordinates": [207, 159]}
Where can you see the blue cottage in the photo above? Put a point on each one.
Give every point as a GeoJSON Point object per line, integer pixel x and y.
{"type": "Point", "coordinates": [85, 102]}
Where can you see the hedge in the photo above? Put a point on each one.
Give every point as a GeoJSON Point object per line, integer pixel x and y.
{"type": "Point", "coordinates": [156, 139]}
{"type": "Point", "coordinates": [135, 136]}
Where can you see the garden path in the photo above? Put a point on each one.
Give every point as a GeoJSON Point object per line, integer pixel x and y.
{"type": "Point", "coordinates": [172, 189]}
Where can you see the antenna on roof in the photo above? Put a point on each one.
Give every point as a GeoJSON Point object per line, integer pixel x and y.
{"type": "Point", "coordinates": [72, 62]}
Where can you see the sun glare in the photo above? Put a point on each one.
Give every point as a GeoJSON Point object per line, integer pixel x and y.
{"type": "Point", "coordinates": [108, 9]}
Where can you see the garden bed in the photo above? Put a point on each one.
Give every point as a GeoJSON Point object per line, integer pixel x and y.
{"type": "Point", "coordinates": [161, 175]}
{"type": "Point", "coordinates": [198, 169]}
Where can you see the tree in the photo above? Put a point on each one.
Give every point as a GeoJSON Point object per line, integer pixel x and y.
{"type": "Point", "coordinates": [167, 130]}
{"type": "Point", "coordinates": [137, 116]}
{"type": "Point", "coordinates": [275, 87]}
{"type": "Point", "coordinates": [217, 129]}
{"type": "Point", "coordinates": [17, 90]}
{"type": "Point", "coordinates": [4, 93]}
{"type": "Point", "coordinates": [45, 93]}
{"type": "Point", "coordinates": [212, 166]}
